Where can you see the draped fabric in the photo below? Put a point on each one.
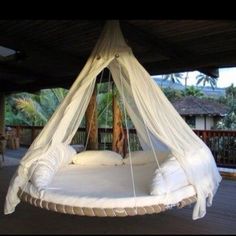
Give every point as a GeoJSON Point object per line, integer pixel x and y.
{"type": "Point", "coordinates": [158, 124]}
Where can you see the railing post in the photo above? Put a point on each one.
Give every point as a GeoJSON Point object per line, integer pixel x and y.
{"type": "Point", "coordinates": [204, 136]}
{"type": "Point", "coordinates": [17, 131]}
{"type": "Point", "coordinates": [99, 138]}
{"type": "Point", "coordinates": [2, 114]}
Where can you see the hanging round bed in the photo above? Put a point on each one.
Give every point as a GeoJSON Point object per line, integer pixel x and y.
{"type": "Point", "coordinates": [104, 190]}
{"type": "Point", "coordinates": [174, 168]}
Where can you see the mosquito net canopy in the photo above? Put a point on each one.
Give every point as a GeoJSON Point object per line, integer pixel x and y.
{"type": "Point", "coordinates": [158, 124]}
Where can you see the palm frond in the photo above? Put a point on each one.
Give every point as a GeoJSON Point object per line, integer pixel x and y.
{"type": "Point", "coordinates": [200, 80]}
{"type": "Point", "coordinates": [31, 108]}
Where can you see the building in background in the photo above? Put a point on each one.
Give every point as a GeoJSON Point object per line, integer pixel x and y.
{"type": "Point", "coordinates": [200, 113]}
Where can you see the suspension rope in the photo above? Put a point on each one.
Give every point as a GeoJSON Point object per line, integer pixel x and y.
{"type": "Point", "coordinates": [150, 140]}
{"type": "Point", "coordinates": [90, 125]}
{"type": "Point", "coordinates": [126, 124]}
{"type": "Point", "coordinates": [109, 78]}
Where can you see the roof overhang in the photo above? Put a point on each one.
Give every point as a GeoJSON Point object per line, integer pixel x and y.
{"type": "Point", "coordinates": [52, 53]}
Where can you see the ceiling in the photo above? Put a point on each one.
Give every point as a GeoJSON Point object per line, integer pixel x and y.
{"type": "Point", "coordinates": [51, 53]}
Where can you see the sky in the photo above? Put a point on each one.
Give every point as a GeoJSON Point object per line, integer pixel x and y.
{"type": "Point", "coordinates": [227, 76]}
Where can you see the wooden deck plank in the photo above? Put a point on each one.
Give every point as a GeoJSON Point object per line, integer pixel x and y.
{"type": "Point", "coordinates": [220, 218]}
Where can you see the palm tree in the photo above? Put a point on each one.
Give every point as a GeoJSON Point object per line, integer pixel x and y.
{"type": "Point", "coordinates": [32, 110]}
{"type": "Point", "coordinates": [186, 80]}
{"type": "Point", "coordinates": [174, 77]}
{"type": "Point", "coordinates": [202, 78]}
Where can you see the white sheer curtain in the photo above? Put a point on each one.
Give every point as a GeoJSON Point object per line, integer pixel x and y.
{"type": "Point", "coordinates": [66, 119]}
{"type": "Point", "coordinates": [168, 129]}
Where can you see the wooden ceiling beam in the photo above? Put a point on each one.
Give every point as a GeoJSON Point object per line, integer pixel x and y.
{"type": "Point", "coordinates": [24, 83]}
{"type": "Point", "coordinates": [160, 46]}
{"type": "Point", "coordinates": [35, 51]}
{"type": "Point", "coordinates": [12, 69]}
{"type": "Point", "coordinates": [9, 86]}
{"type": "Point", "coordinates": [210, 71]}
{"type": "Point", "coordinates": [194, 63]}
{"type": "Point", "coordinates": [157, 45]}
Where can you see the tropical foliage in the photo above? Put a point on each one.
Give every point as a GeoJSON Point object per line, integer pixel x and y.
{"type": "Point", "coordinates": [36, 109]}
{"type": "Point", "coordinates": [33, 109]}
{"type": "Point", "coordinates": [172, 94]}
{"type": "Point", "coordinates": [104, 101]}
{"type": "Point", "coordinates": [192, 91]}
{"type": "Point", "coordinates": [229, 121]}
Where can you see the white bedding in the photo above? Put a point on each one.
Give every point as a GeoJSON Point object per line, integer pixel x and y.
{"type": "Point", "coordinates": [106, 187]}
{"type": "Point", "coordinates": [43, 170]}
{"type": "Point", "coordinates": [97, 158]}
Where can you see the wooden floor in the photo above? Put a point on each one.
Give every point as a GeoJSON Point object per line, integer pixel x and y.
{"type": "Point", "coordinates": [220, 218]}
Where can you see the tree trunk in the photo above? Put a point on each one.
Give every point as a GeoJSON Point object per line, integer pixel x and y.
{"type": "Point", "coordinates": [91, 123]}
{"type": "Point", "coordinates": [186, 80]}
{"type": "Point", "coordinates": [118, 140]}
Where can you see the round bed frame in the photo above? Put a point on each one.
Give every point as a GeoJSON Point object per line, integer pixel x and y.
{"type": "Point", "coordinates": [102, 212]}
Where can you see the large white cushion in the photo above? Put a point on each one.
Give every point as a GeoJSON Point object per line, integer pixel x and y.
{"type": "Point", "coordinates": [170, 178]}
{"type": "Point", "coordinates": [97, 158]}
{"type": "Point", "coordinates": [144, 157]}
{"type": "Point", "coordinates": [42, 171]}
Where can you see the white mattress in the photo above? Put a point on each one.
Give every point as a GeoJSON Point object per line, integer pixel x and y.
{"type": "Point", "coordinates": [106, 187]}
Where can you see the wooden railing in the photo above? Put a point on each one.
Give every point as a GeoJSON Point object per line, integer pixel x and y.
{"type": "Point", "coordinates": [221, 142]}
{"type": "Point", "coordinates": [105, 138]}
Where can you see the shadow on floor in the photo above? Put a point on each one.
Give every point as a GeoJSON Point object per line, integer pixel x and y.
{"type": "Point", "coordinates": [16, 153]}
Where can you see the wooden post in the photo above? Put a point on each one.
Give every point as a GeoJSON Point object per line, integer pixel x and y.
{"type": "Point", "coordinates": [118, 137]}
{"type": "Point", "coordinates": [204, 135]}
{"type": "Point", "coordinates": [91, 123]}
{"type": "Point", "coordinates": [2, 114]}
{"type": "Point", "coordinates": [17, 131]}
{"type": "Point", "coordinates": [205, 122]}
{"type": "Point", "coordinates": [2, 127]}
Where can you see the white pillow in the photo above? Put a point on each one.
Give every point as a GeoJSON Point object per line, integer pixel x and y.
{"type": "Point", "coordinates": [171, 179]}
{"type": "Point", "coordinates": [78, 147]}
{"type": "Point", "coordinates": [41, 172]}
{"type": "Point", "coordinates": [97, 158]}
{"type": "Point", "coordinates": [144, 157]}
